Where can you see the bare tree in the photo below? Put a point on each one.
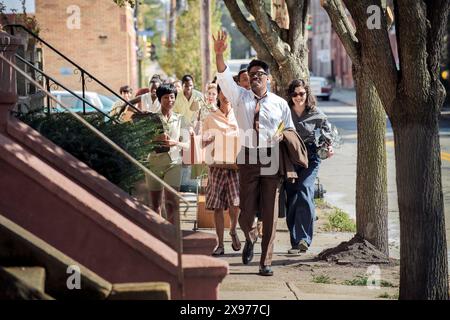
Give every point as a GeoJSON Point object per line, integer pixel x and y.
{"type": "Point", "coordinates": [412, 96]}
{"type": "Point", "coordinates": [286, 51]}
{"type": "Point", "coordinates": [371, 177]}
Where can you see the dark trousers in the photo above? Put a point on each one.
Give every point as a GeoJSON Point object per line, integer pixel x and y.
{"type": "Point", "coordinates": [257, 194]}
{"type": "Point", "coordinates": [300, 213]}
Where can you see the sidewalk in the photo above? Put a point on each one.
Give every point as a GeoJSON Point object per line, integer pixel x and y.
{"type": "Point", "coordinates": [151, 69]}
{"type": "Point", "coordinates": [346, 96]}
{"type": "Point", "coordinates": [296, 277]}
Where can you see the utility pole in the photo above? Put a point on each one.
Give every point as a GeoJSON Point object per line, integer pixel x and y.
{"type": "Point", "coordinates": [205, 34]}
{"type": "Point", "coordinates": [172, 23]}
{"type": "Point", "coordinates": [138, 49]}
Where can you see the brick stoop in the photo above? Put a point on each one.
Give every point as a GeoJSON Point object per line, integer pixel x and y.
{"type": "Point", "coordinates": [116, 198]}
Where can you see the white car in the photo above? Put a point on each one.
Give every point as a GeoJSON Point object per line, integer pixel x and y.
{"type": "Point", "coordinates": [320, 87]}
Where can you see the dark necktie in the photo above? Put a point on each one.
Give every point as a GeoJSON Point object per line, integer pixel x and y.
{"type": "Point", "coordinates": [256, 117]}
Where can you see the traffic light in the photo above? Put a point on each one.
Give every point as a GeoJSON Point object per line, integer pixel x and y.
{"type": "Point", "coordinates": [148, 49]}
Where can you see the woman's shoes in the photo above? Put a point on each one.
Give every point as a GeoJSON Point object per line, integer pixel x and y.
{"type": "Point", "coordinates": [235, 243]}
{"type": "Point", "coordinates": [220, 251]}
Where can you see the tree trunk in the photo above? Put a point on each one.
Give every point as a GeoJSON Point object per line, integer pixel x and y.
{"type": "Point", "coordinates": [371, 177]}
{"type": "Point", "coordinates": [284, 76]}
{"type": "Point", "coordinates": [423, 247]}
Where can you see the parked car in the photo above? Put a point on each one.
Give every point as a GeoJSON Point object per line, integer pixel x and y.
{"type": "Point", "coordinates": [320, 87]}
{"type": "Point", "coordinates": [100, 101]}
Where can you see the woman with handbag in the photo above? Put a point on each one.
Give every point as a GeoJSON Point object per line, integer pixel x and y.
{"type": "Point", "coordinates": [220, 137]}
{"type": "Point", "coordinates": [308, 121]}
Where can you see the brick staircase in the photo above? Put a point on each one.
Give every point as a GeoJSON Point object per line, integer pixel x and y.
{"type": "Point", "coordinates": [71, 208]}
{"type": "Point", "coordinates": [32, 269]}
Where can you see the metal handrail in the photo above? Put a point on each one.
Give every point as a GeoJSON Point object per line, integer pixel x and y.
{"type": "Point", "coordinates": [80, 69]}
{"type": "Point", "coordinates": [62, 86]}
{"type": "Point", "coordinates": [179, 242]}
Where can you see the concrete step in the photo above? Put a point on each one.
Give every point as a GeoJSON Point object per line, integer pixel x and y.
{"type": "Point", "coordinates": [140, 291]}
{"type": "Point", "coordinates": [33, 276]}
{"type": "Point", "coordinates": [13, 287]}
{"type": "Point", "coordinates": [20, 247]}
{"type": "Point", "coordinates": [106, 193]}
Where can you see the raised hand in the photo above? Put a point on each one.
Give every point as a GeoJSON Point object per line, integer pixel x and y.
{"type": "Point", "coordinates": [220, 42]}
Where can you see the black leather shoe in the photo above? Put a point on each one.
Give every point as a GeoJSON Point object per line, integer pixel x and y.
{"type": "Point", "coordinates": [265, 271]}
{"type": "Point", "coordinates": [247, 252]}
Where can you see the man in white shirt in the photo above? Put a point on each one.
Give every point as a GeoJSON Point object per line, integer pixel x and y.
{"type": "Point", "coordinates": [260, 115]}
{"type": "Point", "coordinates": [149, 100]}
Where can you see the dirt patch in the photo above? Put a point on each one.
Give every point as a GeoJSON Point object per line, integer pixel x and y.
{"type": "Point", "coordinates": [356, 252]}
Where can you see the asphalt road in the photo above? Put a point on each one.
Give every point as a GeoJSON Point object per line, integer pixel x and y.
{"type": "Point", "coordinates": [338, 174]}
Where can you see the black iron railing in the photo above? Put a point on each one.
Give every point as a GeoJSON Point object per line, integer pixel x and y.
{"type": "Point", "coordinates": [85, 76]}
{"type": "Point", "coordinates": [51, 83]}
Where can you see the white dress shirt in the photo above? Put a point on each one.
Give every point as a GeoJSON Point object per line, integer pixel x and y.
{"type": "Point", "coordinates": [149, 105]}
{"type": "Point", "coordinates": [273, 111]}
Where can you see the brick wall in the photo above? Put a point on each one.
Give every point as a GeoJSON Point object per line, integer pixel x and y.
{"type": "Point", "coordinates": [103, 44]}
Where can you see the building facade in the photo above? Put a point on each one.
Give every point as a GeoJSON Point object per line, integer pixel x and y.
{"type": "Point", "coordinates": [329, 58]}
{"type": "Point", "coordinates": [97, 35]}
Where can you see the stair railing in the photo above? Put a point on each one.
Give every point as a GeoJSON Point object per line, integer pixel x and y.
{"type": "Point", "coordinates": [179, 239]}
{"type": "Point", "coordinates": [85, 76]}
{"type": "Point", "coordinates": [51, 82]}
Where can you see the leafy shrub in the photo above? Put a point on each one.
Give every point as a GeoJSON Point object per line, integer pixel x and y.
{"type": "Point", "coordinates": [72, 136]}
{"type": "Point", "coordinates": [340, 221]}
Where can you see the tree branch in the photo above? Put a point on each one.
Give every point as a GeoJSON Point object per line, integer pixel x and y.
{"type": "Point", "coordinates": [298, 15]}
{"type": "Point", "coordinates": [247, 29]}
{"type": "Point", "coordinates": [376, 52]}
{"type": "Point", "coordinates": [414, 46]}
{"type": "Point", "coordinates": [437, 14]}
{"type": "Point", "coordinates": [269, 33]}
{"type": "Point", "coordinates": [343, 28]}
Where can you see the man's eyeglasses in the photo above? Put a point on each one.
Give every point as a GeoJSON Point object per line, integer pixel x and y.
{"type": "Point", "coordinates": [259, 74]}
{"type": "Point", "coordinates": [295, 94]}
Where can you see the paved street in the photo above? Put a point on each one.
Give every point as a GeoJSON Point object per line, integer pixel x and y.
{"type": "Point", "coordinates": [338, 174]}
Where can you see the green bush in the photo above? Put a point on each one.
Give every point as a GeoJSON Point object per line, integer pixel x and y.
{"type": "Point", "coordinates": [68, 133]}
{"type": "Point", "coordinates": [340, 221]}
{"type": "Point", "coordinates": [322, 278]}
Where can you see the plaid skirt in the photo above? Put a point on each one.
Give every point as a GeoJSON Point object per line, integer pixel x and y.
{"type": "Point", "coordinates": [222, 190]}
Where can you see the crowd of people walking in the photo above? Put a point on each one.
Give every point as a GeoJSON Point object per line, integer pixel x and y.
{"type": "Point", "coordinates": [255, 142]}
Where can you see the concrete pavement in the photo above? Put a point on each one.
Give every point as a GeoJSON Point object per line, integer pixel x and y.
{"type": "Point", "coordinates": [295, 276]}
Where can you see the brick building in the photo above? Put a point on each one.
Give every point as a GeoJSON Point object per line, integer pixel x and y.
{"type": "Point", "coordinates": [329, 58]}
{"type": "Point", "coordinates": [97, 35]}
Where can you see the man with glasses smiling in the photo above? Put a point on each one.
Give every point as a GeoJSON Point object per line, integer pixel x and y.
{"type": "Point", "coordinates": [262, 114]}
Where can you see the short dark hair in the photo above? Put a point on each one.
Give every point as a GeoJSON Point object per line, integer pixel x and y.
{"type": "Point", "coordinates": [186, 78]}
{"type": "Point", "coordinates": [310, 98]}
{"type": "Point", "coordinates": [154, 80]}
{"type": "Point", "coordinates": [165, 88]}
{"type": "Point", "coordinates": [241, 72]}
{"type": "Point", "coordinates": [258, 63]}
{"type": "Point", "coordinates": [125, 88]}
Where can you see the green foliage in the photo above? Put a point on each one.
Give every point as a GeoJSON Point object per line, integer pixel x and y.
{"type": "Point", "coordinates": [320, 203]}
{"type": "Point", "coordinates": [358, 281]}
{"type": "Point", "coordinates": [340, 221]}
{"type": "Point", "coordinates": [23, 18]}
{"type": "Point", "coordinates": [386, 295]}
{"type": "Point", "coordinates": [121, 3]}
{"type": "Point", "coordinates": [362, 281]}
{"type": "Point", "coordinates": [68, 133]}
{"type": "Point", "coordinates": [322, 278]}
{"type": "Point", "coordinates": [185, 56]}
